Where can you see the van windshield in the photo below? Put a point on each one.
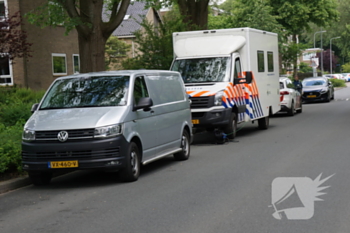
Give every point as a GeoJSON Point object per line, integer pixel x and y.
{"type": "Point", "coordinates": [199, 70]}
{"type": "Point", "coordinates": [82, 92]}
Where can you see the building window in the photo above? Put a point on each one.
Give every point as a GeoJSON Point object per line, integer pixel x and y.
{"type": "Point", "coordinates": [59, 64]}
{"type": "Point", "coordinates": [76, 64]}
{"type": "Point", "coordinates": [261, 61]}
{"type": "Point", "coordinates": [2, 10]}
{"type": "Point", "coordinates": [5, 71]}
{"type": "Point", "coordinates": [270, 67]}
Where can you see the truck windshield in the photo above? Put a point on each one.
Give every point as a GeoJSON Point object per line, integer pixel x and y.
{"type": "Point", "coordinates": [199, 70]}
{"type": "Point", "coordinates": [87, 92]}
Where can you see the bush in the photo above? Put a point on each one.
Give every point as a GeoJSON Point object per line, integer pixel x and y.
{"type": "Point", "coordinates": [337, 82]}
{"type": "Point", "coordinates": [15, 106]}
{"type": "Point", "coordinates": [10, 148]}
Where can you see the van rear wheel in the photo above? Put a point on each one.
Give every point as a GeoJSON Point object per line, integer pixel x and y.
{"type": "Point", "coordinates": [184, 154]}
{"type": "Point", "coordinates": [263, 123]}
{"type": "Point", "coordinates": [40, 178]}
{"type": "Point", "coordinates": [131, 171]}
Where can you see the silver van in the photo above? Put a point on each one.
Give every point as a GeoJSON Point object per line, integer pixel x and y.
{"type": "Point", "coordinates": [112, 121]}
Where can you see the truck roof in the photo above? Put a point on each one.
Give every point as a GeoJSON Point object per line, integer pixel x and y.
{"type": "Point", "coordinates": [222, 41]}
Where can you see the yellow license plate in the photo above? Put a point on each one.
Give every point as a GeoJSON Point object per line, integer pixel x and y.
{"type": "Point", "coordinates": [63, 164]}
{"type": "Point", "coordinates": [195, 121]}
{"type": "Point", "coordinates": [311, 96]}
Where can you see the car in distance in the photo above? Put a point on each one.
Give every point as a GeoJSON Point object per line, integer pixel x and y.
{"type": "Point", "coordinates": [317, 89]}
{"type": "Point", "coordinates": [290, 98]}
{"type": "Point", "coordinates": [346, 77]}
{"type": "Point", "coordinates": [111, 121]}
{"type": "Point", "coordinates": [341, 77]}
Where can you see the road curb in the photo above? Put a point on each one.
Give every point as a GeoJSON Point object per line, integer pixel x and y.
{"type": "Point", "coordinates": [13, 184]}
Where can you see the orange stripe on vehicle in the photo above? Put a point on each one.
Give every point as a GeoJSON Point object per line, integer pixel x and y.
{"type": "Point", "coordinates": [249, 87]}
{"type": "Point", "coordinates": [231, 93]}
{"type": "Point", "coordinates": [253, 89]}
{"type": "Point", "coordinates": [200, 93]}
{"type": "Point", "coordinates": [224, 99]}
{"type": "Point", "coordinates": [227, 94]}
{"type": "Point", "coordinates": [189, 92]}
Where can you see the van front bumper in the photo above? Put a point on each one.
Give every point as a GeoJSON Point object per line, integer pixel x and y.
{"type": "Point", "coordinates": [102, 154]}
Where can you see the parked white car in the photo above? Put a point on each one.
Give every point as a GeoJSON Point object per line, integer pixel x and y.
{"type": "Point", "coordinates": [290, 98]}
{"type": "Point", "coordinates": [341, 77]}
{"type": "Point", "coordinates": [346, 77]}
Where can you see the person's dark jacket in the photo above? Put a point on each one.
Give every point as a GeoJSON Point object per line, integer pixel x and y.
{"type": "Point", "coordinates": [298, 85]}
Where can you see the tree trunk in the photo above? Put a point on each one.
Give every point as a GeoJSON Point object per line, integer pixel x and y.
{"type": "Point", "coordinates": [93, 32]}
{"type": "Point", "coordinates": [195, 13]}
{"type": "Point", "coordinates": [92, 53]}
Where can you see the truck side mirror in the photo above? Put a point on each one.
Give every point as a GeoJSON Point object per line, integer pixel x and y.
{"type": "Point", "coordinates": [248, 76]}
{"type": "Point", "coordinates": [246, 79]}
{"type": "Point", "coordinates": [144, 103]}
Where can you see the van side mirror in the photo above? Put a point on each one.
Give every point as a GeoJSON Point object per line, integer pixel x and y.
{"type": "Point", "coordinates": [246, 79]}
{"type": "Point", "coordinates": [144, 103]}
{"type": "Point", "coordinates": [34, 107]}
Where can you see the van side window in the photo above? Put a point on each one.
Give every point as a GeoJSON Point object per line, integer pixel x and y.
{"type": "Point", "coordinates": [270, 62]}
{"type": "Point", "coordinates": [140, 89]}
{"type": "Point", "coordinates": [261, 61]}
{"type": "Point", "coordinates": [237, 68]}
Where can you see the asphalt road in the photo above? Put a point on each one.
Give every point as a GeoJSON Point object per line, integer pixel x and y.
{"type": "Point", "coordinates": [221, 188]}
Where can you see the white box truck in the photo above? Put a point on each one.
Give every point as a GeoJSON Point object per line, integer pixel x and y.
{"type": "Point", "coordinates": [231, 76]}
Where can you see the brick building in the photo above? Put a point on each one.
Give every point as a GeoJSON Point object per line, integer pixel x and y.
{"type": "Point", "coordinates": [54, 54]}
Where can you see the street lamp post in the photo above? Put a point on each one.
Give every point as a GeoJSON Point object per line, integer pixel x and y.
{"type": "Point", "coordinates": [315, 35]}
{"type": "Point", "coordinates": [321, 49]}
{"type": "Point", "coordinates": [331, 54]}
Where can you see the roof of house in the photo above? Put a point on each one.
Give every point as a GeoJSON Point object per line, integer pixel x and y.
{"type": "Point", "coordinates": [133, 17]}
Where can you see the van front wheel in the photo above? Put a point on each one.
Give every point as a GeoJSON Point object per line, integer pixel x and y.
{"type": "Point", "coordinates": [184, 154]}
{"type": "Point", "coordinates": [131, 171]}
{"type": "Point", "coordinates": [231, 128]}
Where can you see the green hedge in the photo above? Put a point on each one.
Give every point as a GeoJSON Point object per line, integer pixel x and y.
{"type": "Point", "coordinates": [15, 106]}
{"type": "Point", "coordinates": [337, 82]}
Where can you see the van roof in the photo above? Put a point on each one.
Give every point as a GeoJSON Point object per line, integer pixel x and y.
{"type": "Point", "coordinates": [120, 72]}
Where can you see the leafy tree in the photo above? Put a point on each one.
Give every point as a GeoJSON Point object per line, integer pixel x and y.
{"type": "Point", "coordinates": [305, 68]}
{"type": "Point", "coordinates": [341, 28]}
{"type": "Point", "coordinates": [253, 13]}
{"type": "Point", "coordinates": [86, 16]}
{"type": "Point", "coordinates": [194, 12]}
{"type": "Point", "coordinates": [115, 49]}
{"type": "Point", "coordinates": [346, 67]}
{"type": "Point", "coordinates": [227, 6]}
{"type": "Point", "coordinates": [13, 40]}
{"type": "Point", "coordinates": [289, 53]}
{"type": "Point", "coordinates": [155, 44]}
{"type": "Point", "coordinates": [327, 60]}
{"type": "Point", "coordinates": [296, 15]}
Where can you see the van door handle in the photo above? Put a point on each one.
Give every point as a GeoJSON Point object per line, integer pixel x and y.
{"type": "Point", "coordinates": [152, 111]}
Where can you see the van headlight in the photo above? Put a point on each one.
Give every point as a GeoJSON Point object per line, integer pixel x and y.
{"type": "Point", "coordinates": [218, 98]}
{"type": "Point", "coordinates": [108, 131]}
{"type": "Point", "coordinates": [28, 135]}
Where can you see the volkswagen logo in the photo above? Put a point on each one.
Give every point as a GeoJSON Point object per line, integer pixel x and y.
{"type": "Point", "coordinates": [62, 136]}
